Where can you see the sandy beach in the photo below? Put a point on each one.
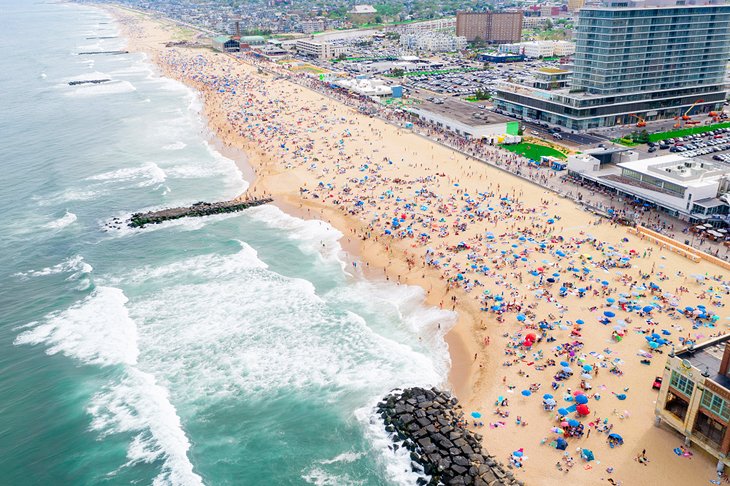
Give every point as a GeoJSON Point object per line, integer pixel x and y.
{"type": "Point", "coordinates": [535, 279]}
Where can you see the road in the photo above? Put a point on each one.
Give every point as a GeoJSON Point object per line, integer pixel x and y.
{"type": "Point", "coordinates": [578, 139]}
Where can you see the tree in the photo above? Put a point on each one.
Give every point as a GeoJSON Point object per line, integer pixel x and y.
{"type": "Point", "coordinates": [378, 19]}
{"type": "Point", "coordinates": [397, 72]}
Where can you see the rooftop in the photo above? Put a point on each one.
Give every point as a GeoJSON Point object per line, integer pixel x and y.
{"type": "Point", "coordinates": [461, 112]}
{"type": "Point", "coordinates": [363, 9]}
{"type": "Point", "coordinates": [550, 70]}
{"type": "Point", "coordinates": [708, 358]}
{"type": "Point", "coordinates": [678, 169]}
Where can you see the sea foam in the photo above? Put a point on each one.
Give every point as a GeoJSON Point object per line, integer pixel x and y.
{"type": "Point", "coordinates": [62, 222]}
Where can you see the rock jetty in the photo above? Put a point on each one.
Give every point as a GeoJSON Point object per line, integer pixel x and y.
{"type": "Point", "coordinates": [427, 423]}
{"type": "Point", "coordinates": [139, 220]}
{"type": "Point", "coordinates": [93, 53]}
{"type": "Point", "coordinates": [90, 81]}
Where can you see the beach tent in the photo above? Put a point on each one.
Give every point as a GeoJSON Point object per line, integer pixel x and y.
{"type": "Point", "coordinates": [587, 454]}
{"type": "Point", "coordinates": [561, 444]}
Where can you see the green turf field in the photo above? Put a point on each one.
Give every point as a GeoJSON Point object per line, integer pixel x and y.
{"type": "Point", "coordinates": [533, 151]}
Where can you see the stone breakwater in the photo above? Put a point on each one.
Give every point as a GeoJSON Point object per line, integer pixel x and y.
{"type": "Point", "coordinates": [139, 220]}
{"type": "Point", "coordinates": [429, 423]}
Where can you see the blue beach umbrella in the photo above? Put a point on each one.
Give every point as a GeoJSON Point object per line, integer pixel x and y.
{"type": "Point", "coordinates": [573, 423]}
{"type": "Point", "coordinates": [563, 411]}
{"type": "Point", "coordinates": [581, 399]}
{"type": "Point", "coordinates": [564, 364]}
{"type": "Point", "coordinates": [609, 314]}
{"type": "Point", "coordinates": [547, 396]}
{"type": "Point", "coordinates": [526, 393]}
{"type": "Point", "coordinates": [476, 414]}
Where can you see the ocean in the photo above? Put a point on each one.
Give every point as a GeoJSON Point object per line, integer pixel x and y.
{"type": "Point", "coordinates": [235, 349]}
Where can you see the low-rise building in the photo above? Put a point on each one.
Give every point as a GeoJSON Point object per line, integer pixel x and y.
{"type": "Point", "coordinates": [689, 189]}
{"type": "Point", "coordinates": [225, 43]}
{"type": "Point", "coordinates": [436, 25]}
{"type": "Point", "coordinates": [361, 14]}
{"type": "Point", "coordinates": [433, 42]}
{"type": "Point", "coordinates": [539, 49]}
{"type": "Point", "coordinates": [319, 49]}
{"type": "Point", "coordinates": [310, 26]}
{"type": "Point", "coordinates": [694, 398]}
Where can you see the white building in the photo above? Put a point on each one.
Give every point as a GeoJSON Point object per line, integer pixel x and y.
{"type": "Point", "coordinates": [366, 87]}
{"type": "Point", "coordinates": [433, 42]}
{"type": "Point", "coordinates": [460, 123]}
{"type": "Point", "coordinates": [319, 49]}
{"type": "Point", "coordinates": [538, 49]}
{"type": "Point", "coordinates": [447, 24]}
{"type": "Point", "coordinates": [690, 189]}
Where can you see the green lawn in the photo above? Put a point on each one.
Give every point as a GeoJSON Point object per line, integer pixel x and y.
{"type": "Point", "coordinates": [533, 151]}
{"type": "Point", "coordinates": [655, 137]}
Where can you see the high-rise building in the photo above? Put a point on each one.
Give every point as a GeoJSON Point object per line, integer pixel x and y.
{"type": "Point", "coordinates": [493, 27]}
{"type": "Point", "coordinates": [630, 62]}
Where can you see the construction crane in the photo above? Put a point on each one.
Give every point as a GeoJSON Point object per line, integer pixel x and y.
{"type": "Point", "coordinates": [641, 122]}
{"type": "Point", "coordinates": [686, 116]}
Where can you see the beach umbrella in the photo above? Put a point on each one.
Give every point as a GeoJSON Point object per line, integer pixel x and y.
{"type": "Point", "coordinates": [586, 376]}
{"type": "Point", "coordinates": [604, 283]}
{"type": "Point", "coordinates": [648, 308]}
{"type": "Point", "coordinates": [564, 423]}
{"type": "Point", "coordinates": [609, 314]}
{"type": "Point", "coordinates": [550, 401]}
{"type": "Point", "coordinates": [587, 368]}
{"type": "Point", "coordinates": [580, 322]}
{"type": "Point", "coordinates": [526, 393]}
{"type": "Point", "coordinates": [518, 453]}
{"type": "Point", "coordinates": [557, 430]}
{"type": "Point", "coordinates": [573, 423]}
{"type": "Point", "coordinates": [561, 444]}
{"type": "Point", "coordinates": [564, 364]}
{"type": "Point", "coordinates": [581, 399]}
{"type": "Point", "coordinates": [610, 300]}
{"type": "Point", "coordinates": [547, 396]}
{"type": "Point", "coordinates": [587, 455]}
{"type": "Point", "coordinates": [583, 409]}
{"type": "Point", "coordinates": [616, 437]}
{"type": "Point", "coordinates": [563, 411]}
{"type": "Point", "coordinates": [567, 369]}
{"type": "Point", "coordinates": [521, 317]}
{"type": "Point", "coordinates": [476, 414]}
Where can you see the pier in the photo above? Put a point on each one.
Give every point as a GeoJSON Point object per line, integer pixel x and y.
{"type": "Point", "coordinates": [139, 220]}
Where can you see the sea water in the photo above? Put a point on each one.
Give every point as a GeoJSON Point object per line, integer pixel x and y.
{"type": "Point", "coordinates": [234, 349]}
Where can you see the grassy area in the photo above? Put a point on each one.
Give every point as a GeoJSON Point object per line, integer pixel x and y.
{"type": "Point", "coordinates": [533, 150]}
{"type": "Point", "coordinates": [626, 142]}
{"type": "Point", "coordinates": [655, 137]}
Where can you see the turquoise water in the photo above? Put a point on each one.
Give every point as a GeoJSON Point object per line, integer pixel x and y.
{"type": "Point", "coordinates": [237, 349]}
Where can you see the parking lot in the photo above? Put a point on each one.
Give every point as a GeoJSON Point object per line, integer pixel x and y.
{"type": "Point", "coordinates": [714, 145]}
{"type": "Point", "coordinates": [467, 83]}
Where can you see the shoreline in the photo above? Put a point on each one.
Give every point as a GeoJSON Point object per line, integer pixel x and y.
{"type": "Point", "coordinates": [476, 382]}
{"type": "Point", "coordinates": [461, 371]}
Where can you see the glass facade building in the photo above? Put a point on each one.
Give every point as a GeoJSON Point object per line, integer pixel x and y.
{"type": "Point", "coordinates": [654, 62]}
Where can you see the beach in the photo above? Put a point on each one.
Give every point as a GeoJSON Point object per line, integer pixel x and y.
{"type": "Point", "coordinates": [510, 257]}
